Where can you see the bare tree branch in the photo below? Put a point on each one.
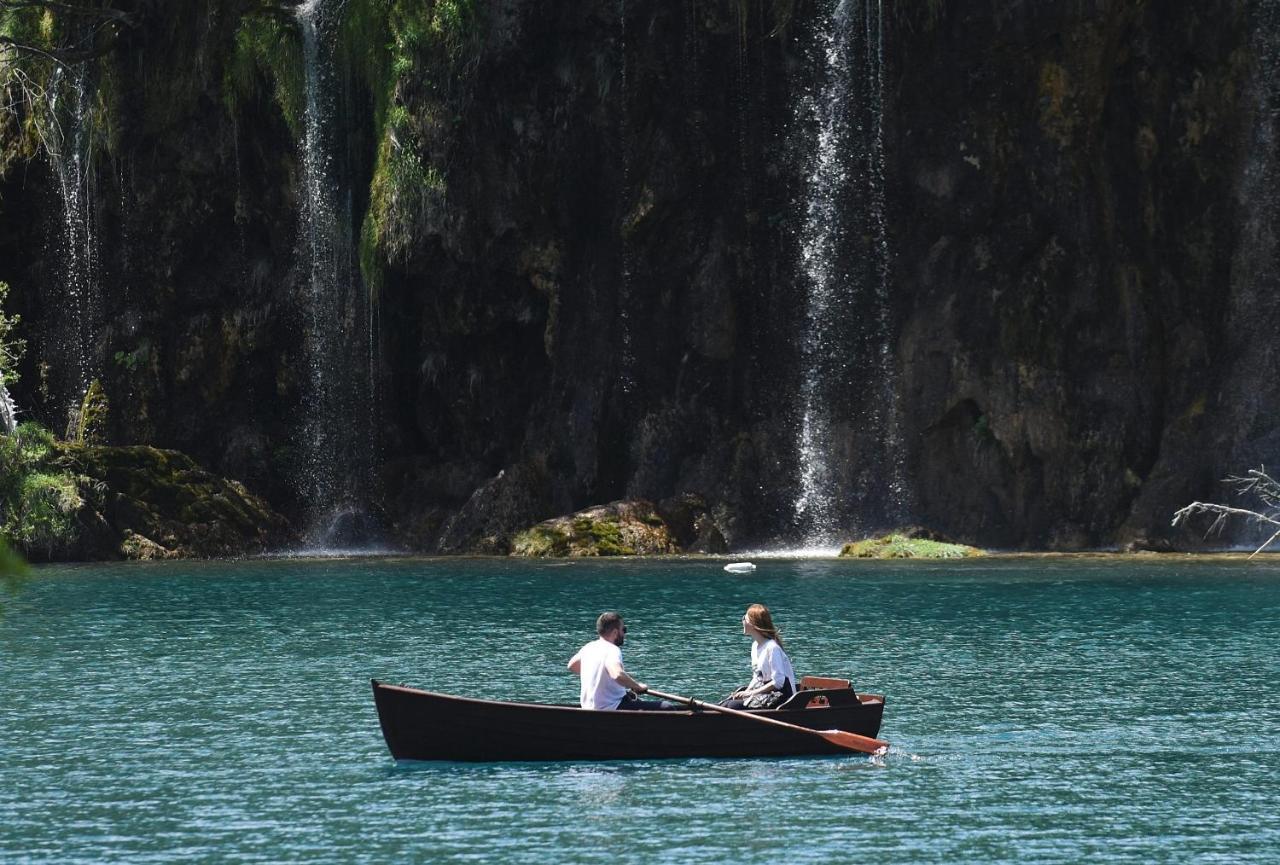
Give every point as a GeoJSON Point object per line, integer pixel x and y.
{"type": "Point", "coordinates": [1256, 482]}
{"type": "Point", "coordinates": [94, 17]}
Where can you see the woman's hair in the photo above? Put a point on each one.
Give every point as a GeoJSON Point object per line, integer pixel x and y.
{"type": "Point", "coordinates": [760, 619]}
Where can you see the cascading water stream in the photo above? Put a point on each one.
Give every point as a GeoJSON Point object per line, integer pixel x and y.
{"type": "Point", "coordinates": [896, 506]}
{"type": "Point", "coordinates": [73, 350]}
{"type": "Point", "coordinates": [850, 464]}
{"type": "Point", "coordinates": [627, 379]}
{"type": "Point", "coordinates": [339, 426]}
{"type": "Point", "coordinates": [8, 412]}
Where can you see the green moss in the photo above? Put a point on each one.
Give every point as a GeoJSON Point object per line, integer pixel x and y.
{"type": "Point", "coordinates": [903, 547]}
{"type": "Point", "coordinates": [541, 542]}
{"type": "Point", "coordinates": [415, 61]}
{"type": "Point", "coordinates": [581, 536]}
{"type": "Point", "coordinates": [602, 536]}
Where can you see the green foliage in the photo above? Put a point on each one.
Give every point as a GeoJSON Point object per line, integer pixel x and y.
{"type": "Point", "coordinates": [982, 430]}
{"type": "Point", "coordinates": [11, 347]}
{"type": "Point", "coordinates": [266, 53]}
{"type": "Point", "coordinates": [27, 26]}
{"type": "Point", "coordinates": [89, 422]}
{"type": "Point", "coordinates": [38, 497]}
{"type": "Point", "coordinates": [131, 361]}
{"type": "Point", "coordinates": [42, 100]}
{"type": "Point", "coordinates": [415, 59]}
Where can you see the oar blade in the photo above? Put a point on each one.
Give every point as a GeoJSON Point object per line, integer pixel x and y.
{"type": "Point", "coordinates": [855, 742]}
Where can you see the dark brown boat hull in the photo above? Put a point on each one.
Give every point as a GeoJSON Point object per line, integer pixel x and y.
{"type": "Point", "coordinates": [422, 725]}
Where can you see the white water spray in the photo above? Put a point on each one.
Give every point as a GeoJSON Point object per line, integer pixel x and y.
{"type": "Point", "coordinates": [846, 347]}
{"type": "Point", "coordinates": [73, 350]}
{"type": "Point", "coordinates": [340, 338]}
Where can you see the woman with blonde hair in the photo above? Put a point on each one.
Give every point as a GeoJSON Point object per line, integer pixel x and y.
{"type": "Point", "coordinates": [772, 678]}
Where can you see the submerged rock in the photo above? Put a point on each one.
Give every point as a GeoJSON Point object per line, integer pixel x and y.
{"type": "Point", "coordinates": [623, 528]}
{"type": "Point", "coordinates": [909, 544]}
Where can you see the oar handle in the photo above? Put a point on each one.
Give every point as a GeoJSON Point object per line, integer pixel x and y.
{"type": "Point", "coordinates": [852, 741]}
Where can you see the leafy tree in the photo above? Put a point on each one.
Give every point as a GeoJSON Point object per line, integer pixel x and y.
{"type": "Point", "coordinates": [11, 347]}
{"type": "Point", "coordinates": [40, 36]}
{"type": "Point", "coordinates": [11, 350]}
{"type": "Point", "coordinates": [39, 498]}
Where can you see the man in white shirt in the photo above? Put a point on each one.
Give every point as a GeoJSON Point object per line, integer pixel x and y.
{"type": "Point", "coordinates": [605, 683]}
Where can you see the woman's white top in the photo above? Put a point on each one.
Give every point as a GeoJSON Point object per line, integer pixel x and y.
{"type": "Point", "coordinates": [770, 664]}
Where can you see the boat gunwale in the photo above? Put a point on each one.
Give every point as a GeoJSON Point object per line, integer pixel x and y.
{"type": "Point", "coordinates": [560, 707]}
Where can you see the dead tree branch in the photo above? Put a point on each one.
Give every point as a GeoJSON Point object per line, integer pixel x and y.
{"type": "Point", "coordinates": [1255, 482]}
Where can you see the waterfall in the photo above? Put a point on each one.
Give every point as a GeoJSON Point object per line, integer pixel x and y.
{"type": "Point", "coordinates": [8, 411]}
{"type": "Point", "coordinates": [851, 473]}
{"type": "Point", "coordinates": [72, 351]}
{"type": "Point", "coordinates": [339, 426]}
{"type": "Point", "coordinates": [627, 379]}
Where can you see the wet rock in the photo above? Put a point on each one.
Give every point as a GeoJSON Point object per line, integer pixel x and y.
{"type": "Point", "coordinates": [692, 524]}
{"type": "Point", "coordinates": [623, 528]}
{"type": "Point", "coordinates": [495, 511]}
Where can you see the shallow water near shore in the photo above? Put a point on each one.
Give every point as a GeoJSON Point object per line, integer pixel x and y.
{"type": "Point", "coordinates": [1040, 709]}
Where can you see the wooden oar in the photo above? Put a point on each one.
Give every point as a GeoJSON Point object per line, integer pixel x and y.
{"type": "Point", "coordinates": [852, 741]}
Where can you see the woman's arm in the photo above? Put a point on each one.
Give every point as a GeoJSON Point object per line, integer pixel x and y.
{"type": "Point", "coordinates": [751, 692]}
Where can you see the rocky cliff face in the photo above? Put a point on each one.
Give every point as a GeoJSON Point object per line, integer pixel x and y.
{"type": "Point", "coordinates": [587, 278]}
{"type": "Point", "coordinates": [1082, 340]}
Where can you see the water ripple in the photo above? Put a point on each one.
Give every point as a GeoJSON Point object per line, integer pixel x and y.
{"type": "Point", "coordinates": [1039, 710]}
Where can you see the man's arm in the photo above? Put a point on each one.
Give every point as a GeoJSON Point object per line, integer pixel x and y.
{"type": "Point", "coordinates": [619, 675]}
{"type": "Point", "coordinates": [575, 664]}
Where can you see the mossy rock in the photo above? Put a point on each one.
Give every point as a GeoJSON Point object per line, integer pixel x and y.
{"type": "Point", "coordinates": [623, 528]}
{"type": "Point", "coordinates": [146, 503]}
{"type": "Point", "coordinates": [901, 546]}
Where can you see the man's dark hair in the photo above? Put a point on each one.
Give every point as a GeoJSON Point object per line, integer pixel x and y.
{"type": "Point", "coordinates": [607, 622]}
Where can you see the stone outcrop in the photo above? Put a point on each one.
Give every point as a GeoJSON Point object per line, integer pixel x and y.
{"type": "Point", "coordinates": [631, 528]}
{"type": "Point", "coordinates": [146, 503]}
{"type": "Point", "coordinates": [909, 543]}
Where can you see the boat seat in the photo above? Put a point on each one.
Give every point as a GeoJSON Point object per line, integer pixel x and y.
{"type": "Point", "coordinates": [817, 692]}
{"type": "Point", "coordinates": [823, 682]}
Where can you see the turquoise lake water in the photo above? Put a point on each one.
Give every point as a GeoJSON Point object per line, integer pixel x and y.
{"type": "Point", "coordinates": [1040, 710]}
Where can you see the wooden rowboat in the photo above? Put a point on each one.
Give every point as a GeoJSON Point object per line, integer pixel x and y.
{"type": "Point", "coordinates": [422, 725]}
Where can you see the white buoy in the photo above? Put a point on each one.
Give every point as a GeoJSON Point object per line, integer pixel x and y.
{"type": "Point", "coordinates": [740, 567]}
